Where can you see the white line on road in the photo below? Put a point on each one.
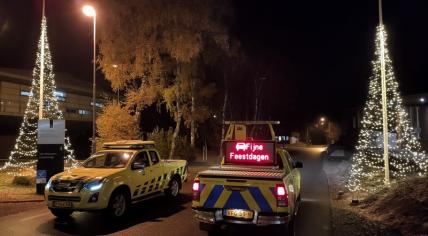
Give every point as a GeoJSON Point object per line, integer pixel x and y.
{"type": "Point", "coordinates": [310, 200]}
{"type": "Point", "coordinates": [33, 217]}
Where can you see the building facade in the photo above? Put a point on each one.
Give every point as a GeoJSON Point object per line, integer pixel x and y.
{"type": "Point", "coordinates": [74, 96]}
{"type": "Point", "coordinates": [417, 108]}
{"type": "Point", "coordinates": [75, 101]}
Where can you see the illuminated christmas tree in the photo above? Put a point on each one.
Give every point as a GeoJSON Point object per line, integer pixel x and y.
{"type": "Point", "coordinates": [406, 156]}
{"type": "Point", "coordinates": [24, 152]}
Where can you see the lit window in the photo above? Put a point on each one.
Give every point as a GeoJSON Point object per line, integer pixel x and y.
{"type": "Point", "coordinates": [25, 93]}
{"type": "Point", "coordinates": [60, 95]}
{"type": "Point", "coordinates": [97, 104]}
{"type": "Point", "coordinates": [83, 112]}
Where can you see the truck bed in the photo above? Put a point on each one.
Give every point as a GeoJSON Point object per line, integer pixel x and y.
{"type": "Point", "coordinates": [242, 172]}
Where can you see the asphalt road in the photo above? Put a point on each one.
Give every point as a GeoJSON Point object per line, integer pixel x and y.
{"type": "Point", "coordinates": [160, 217]}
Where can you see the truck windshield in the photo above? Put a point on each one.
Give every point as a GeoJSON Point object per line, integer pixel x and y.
{"type": "Point", "coordinates": [108, 160]}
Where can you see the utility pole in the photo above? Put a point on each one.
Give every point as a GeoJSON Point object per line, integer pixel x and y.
{"type": "Point", "coordinates": [384, 102]}
{"type": "Point", "coordinates": [258, 88]}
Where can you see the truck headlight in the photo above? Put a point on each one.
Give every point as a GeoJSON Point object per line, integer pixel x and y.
{"type": "Point", "coordinates": [94, 185]}
{"type": "Point", "coordinates": [48, 184]}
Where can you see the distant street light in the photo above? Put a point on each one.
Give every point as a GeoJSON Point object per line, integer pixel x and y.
{"type": "Point", "coordinates": [422, 100]}
{"type": "Point", "coordinates": [90, 11]}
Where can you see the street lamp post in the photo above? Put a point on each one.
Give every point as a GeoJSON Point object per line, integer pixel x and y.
{"type": "Point", "coordinates": [90, 11]}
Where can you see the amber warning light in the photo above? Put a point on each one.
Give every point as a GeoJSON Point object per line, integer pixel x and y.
{"type": "Point", "coordinates": [249, 152]}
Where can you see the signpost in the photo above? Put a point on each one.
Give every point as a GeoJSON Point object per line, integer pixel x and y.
{"type": "Point", "coordinates": [50, 151]}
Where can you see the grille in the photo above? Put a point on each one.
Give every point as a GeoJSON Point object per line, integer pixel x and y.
{"type": "Point", "coordinates": [64, 198]}
{"type": "Point", "coordinates": [67, 185]}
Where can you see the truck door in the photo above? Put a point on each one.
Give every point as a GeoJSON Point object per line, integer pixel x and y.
{"type": "Point", "coordinates": [158, 177]}
{"type": "Point", "coordinates": [140, 178]}
{"type": "Point", "coordinates": [290, 179]}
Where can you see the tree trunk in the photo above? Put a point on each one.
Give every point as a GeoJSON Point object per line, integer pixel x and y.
{"type": "Point", "coordinates": [193, 124]}
{"type": "Point", "coordinates": [176, 131]}
{"type": "Point", "coordinates": [223, 116]}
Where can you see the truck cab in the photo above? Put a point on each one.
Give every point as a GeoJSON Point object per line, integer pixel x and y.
{"type": "Point", "coordinates": [257, 182]}
{"type": "Point", "coordinates": [122, 173]}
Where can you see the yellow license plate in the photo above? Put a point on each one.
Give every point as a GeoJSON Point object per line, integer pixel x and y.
{"type": "Point", "coordinates": [62, 204]}
{"type": "Point", "coordinates": [237, 213]}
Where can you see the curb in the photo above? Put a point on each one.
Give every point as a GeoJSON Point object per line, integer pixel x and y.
{"type": "Point", "coordinates": [23, 201]}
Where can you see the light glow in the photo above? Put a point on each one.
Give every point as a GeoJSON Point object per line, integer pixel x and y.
{"type": "Point", "coordinates": [195, 186]}
{"type": "Point", "coordinates": [88, 10]}
{"type": "Point", "coordinates": [280, 191]}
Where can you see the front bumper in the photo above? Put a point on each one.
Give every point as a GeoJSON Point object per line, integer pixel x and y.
{"type": "Point", "coordinates": [79, 200]}
{"type": "Point", "coordinates": [216, 216]}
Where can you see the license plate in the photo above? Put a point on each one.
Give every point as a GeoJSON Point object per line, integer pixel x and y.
{"type": "Point", "coordinates": [62, 204]}
{"type": "Point", "coordinates": [237, 213]}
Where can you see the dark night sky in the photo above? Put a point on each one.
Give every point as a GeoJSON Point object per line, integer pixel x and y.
{"type": "Point", "coordinates": [316, 54]}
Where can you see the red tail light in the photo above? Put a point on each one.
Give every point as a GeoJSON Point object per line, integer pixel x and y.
{"type": "Point", "coordinates": [196, 189]}
{"type": "Point", "coordinates": [281, 193]}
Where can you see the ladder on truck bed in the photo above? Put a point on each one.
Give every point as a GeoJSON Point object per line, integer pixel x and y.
{"type": "Point", "coordinates": [250, 130]}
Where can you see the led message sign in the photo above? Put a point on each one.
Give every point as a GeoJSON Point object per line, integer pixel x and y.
{"type": "Point", "coordinates": [249, 152]}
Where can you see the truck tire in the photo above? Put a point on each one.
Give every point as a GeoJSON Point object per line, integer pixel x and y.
{"type": "Point", "coordinates": [298, 202]}
{"type": "Point", "coordinates": [211, 229]}
{"type": "Point", "coordinates": [173, 188]}
{"type": "Point", "coordinates": [61, 213]}
{"type": "Point", "coordinates": [285, 229]}
{"type": "Point", "coordinates": [118, 204]}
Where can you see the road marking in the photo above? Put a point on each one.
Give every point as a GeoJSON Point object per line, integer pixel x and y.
{"type": "Point", "coordinates": [33, 217]}
{"type": "Point", "coordinates": [310, 200]}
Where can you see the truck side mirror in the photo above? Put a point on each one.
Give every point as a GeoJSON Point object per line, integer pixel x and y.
{"type": "Point", "coordinates": [298, 164]}
{"type": "Point", "coordinates": [137, 166]}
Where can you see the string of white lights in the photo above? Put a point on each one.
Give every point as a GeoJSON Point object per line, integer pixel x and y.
{"type": "Point", "coordinates": [406, 155]}
{"type": "Point", "coordinates": [24, 153]}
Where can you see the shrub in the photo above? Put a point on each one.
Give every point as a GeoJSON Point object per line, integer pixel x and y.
{"type": "Point", "coordinates": [115, 123]}
{"type": "Point", "coordinates": [25, 180]}
{"type": "Point", "coordinates": [163, 139]}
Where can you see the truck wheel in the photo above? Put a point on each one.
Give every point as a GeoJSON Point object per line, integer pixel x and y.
{"type": "Point", "coordinates": [61, 213]}
{"type": "Point", "coordinates": [211, 229]}
{"type": "Point", "coordinates": [298, 202]}
{"type": "Point", "coordinates": [290, 228]}
{"type": "Point", "coordinates": [118, 204]}
{"type": "Point", "coordinates": [285, 229]}
{"type": "Point", "coordinates": [173, 188]}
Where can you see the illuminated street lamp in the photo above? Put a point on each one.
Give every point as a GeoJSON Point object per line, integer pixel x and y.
{"type": "Point", "coordinates": [90, 11]}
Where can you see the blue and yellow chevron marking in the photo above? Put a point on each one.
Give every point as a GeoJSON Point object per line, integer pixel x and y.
{"type": "Point", "coordinates": [260, 199]}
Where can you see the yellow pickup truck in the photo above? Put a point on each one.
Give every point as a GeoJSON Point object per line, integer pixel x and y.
{"type": "Point", "coordinates": [257, 183]}
{"type": "Point", "coordinates": [122, 173]}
